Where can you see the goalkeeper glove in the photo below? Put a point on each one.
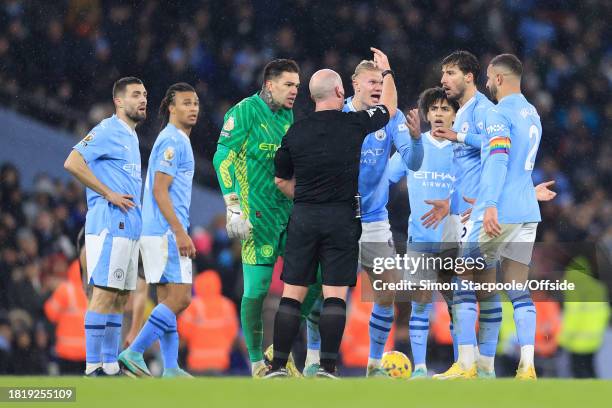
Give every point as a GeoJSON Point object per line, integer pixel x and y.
{"type": "Point", "coordinates": [238, 225]}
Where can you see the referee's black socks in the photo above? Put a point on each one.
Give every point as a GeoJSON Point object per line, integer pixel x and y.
{"type": "Point", "coordinates": [286, 328]}
{"type": "Point", "coordinates": [331, 326]}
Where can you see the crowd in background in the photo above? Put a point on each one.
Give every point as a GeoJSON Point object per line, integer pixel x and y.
{"type": "Point", "coordinates": [58, 61]}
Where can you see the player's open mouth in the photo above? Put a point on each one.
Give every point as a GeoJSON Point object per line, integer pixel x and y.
{"type": "Point", "coordinates": [438, 122]}
{"type": "Point", "coordinates": [376, 97]}
{"type": "Point", "coordinates": [193, 117]}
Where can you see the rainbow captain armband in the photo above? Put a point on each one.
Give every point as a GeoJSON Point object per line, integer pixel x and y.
{"type": "Point", "coordinates": [499, 144]}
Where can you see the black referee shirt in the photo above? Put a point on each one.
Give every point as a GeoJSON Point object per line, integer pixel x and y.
{"type": "Point", "coordinates": [322, 152]}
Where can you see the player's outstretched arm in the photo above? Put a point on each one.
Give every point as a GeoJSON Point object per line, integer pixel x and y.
{"type": "Point", "coordinates": [543, 193]}
{"type": "Point", "coordinates": [76, 165]}
{"type": "Point", "coordinates": [439, 210]}
{"type": "Point", "coordinates": [389, 92]}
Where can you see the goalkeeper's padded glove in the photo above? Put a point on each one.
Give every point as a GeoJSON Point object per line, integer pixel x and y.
{"type": "Point", "coordinates": [238, 225]}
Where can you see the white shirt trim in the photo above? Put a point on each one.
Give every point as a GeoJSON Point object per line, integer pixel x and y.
{"type": "Point", "coordinates": [125, 125]}
{"type": "Point", "coordinates": [436, 143]}
{"type": "Point", "coordinates": [468, 103]}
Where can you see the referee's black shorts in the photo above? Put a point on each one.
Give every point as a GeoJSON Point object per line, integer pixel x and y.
{"type": "Point", "coordinates": [325, 234]}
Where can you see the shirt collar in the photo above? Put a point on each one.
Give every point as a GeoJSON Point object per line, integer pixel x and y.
{"type": "Point", "coordinates": [439, 144]}
{"type": "Point", "coordinates": [179, 131]}
{"type": "Point", "coordinates": [349, 104]}
{"type": "Point", "coordinates": [468, 103]}
{"type": "Point", "coordinates": [125, 125]}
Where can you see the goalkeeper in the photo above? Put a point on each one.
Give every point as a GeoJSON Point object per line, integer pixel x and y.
{"type": "Point", "coordinates": [257, 212]}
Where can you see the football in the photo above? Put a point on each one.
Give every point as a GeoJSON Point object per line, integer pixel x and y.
{"type": "Point", "coordinates": [397, 364]}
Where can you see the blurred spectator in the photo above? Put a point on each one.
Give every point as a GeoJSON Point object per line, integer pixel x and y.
{"type": "Point", "coordinates": [209, 326]}
{"type": "Point", "coordinates": [66, 309]}
{"type": "Point", "coordinates": [586, 312]}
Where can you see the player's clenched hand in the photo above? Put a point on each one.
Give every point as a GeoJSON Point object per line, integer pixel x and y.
{"type": "Point", "coordinates": [380, 59]}
{"type": "Point", "coordinates": [490, 223]}
{"type": "Point", "coordinates": [413, 121]}
{"type": "Point", "coordinates": [123, 201]}
{"type": "Point", "coordinates": [439, 210]}
{"type": "Point", "coordinates": [185, 244]}
{"type": "Point", "coordinates": [543, 193]}
{"type": "Point", "coordinates": [465, 216]}
{"type": "Point", "coordinates": [445, 133]}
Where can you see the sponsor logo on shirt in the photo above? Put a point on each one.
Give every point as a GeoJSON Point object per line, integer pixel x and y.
{"type": "Point", "coordinates": [498, 127]}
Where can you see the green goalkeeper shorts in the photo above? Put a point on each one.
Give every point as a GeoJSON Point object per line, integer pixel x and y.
{"type": "Point", "coordinates": [266, 243]}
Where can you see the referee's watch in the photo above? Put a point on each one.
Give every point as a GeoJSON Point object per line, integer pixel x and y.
{"type": "Point", "coordinates": [388, 72]}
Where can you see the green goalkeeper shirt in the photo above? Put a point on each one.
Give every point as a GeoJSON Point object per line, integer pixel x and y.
{"type": "Point", "coordinates": [244, 160]}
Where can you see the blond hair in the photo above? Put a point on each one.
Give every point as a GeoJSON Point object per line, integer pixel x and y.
{"type": "Point", "coordinates": [365, 65]}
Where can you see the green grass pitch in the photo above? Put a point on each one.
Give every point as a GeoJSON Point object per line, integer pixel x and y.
{"type": "Point", "coordinates": [289, 393]}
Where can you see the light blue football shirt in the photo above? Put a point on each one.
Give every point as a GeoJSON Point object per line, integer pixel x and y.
{"type": "Point", "coordinates": [433, 181]}
{"type": "Point", "coordinates": [111, 151]}
{"type": "Point", "coordinates": [172, 154]}
{"type": "Point", "coordinates": [466, 162]}
{"type": "Point", "coordinates": [375, 153]}
{"type": "Point", "coordinates": [513, 136]}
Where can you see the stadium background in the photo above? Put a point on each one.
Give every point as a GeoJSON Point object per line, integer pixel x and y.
{"type": "Point", "coordinates": [59, 59]}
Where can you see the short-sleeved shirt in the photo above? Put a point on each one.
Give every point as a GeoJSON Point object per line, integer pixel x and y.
{"type": "Point", "coordinates": [111, 151]}
{"type": "Point", "coordinates": [514, 130]}
{"type": "Point", "coordinates": [171, 154]}
{"type": "Point", "coordinates": [466, 160]}
{"type": "Point", "coordinates": [375, 153]}
{"type": "Point", "coordinates": [322, 152]}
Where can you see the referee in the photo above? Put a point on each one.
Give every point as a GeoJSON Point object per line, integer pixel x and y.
{"type": "Point", "coordinates": [317, 166]}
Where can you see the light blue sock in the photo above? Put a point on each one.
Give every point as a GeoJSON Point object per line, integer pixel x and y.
{"type": "Point", "coordinates": [312, 326]}
{"type": "Point", "coordinates": [489, 323]}
{"type": "Point", "coordinates": [419, 330]}
{"type": "Point", "coordinates": [524, 316]}
{"type": "Point", "coordinates": [169, 345]}
{"type": "Point", "coordinates": [112, 338]}
{"type": "Point", "coordinates": [95, 325]}
{"type": "Point", "coordinates": [465, 314]}
{"type": "Point", "coordinates": [159, 322]}
{"type": "Point", "coordinates": [381, 321]}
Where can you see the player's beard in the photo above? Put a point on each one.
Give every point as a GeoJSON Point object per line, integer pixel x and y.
{"type": "Point", "coordinates": [459, 94]}
{"type": "Point", "coordinates": [135, 116]}
{"type": "Point", "coordinates": [493, 92]}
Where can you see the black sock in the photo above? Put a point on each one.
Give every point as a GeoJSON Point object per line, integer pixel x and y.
{"type": "Point", "coordinates": [286, 328]}
{"type": "Point", "coordinates": [331, 326]}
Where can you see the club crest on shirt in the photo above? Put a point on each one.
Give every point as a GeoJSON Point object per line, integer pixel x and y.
{"type": "Point", "coordinates": [380, 135]}
{"type": "Point", "coordinates": [267, 250]}
{"type": "Point", "coordinates": [169, 154]}
{"type": "Point", "coordinates": [465, 127]}
{"type": "Point", "coordinates": [228, 126]}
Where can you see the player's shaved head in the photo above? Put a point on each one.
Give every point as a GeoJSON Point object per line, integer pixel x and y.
{"type": "Point", "coordinates": [508, 63]}
{"type": "Point", "coordinates": [323, 84]}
